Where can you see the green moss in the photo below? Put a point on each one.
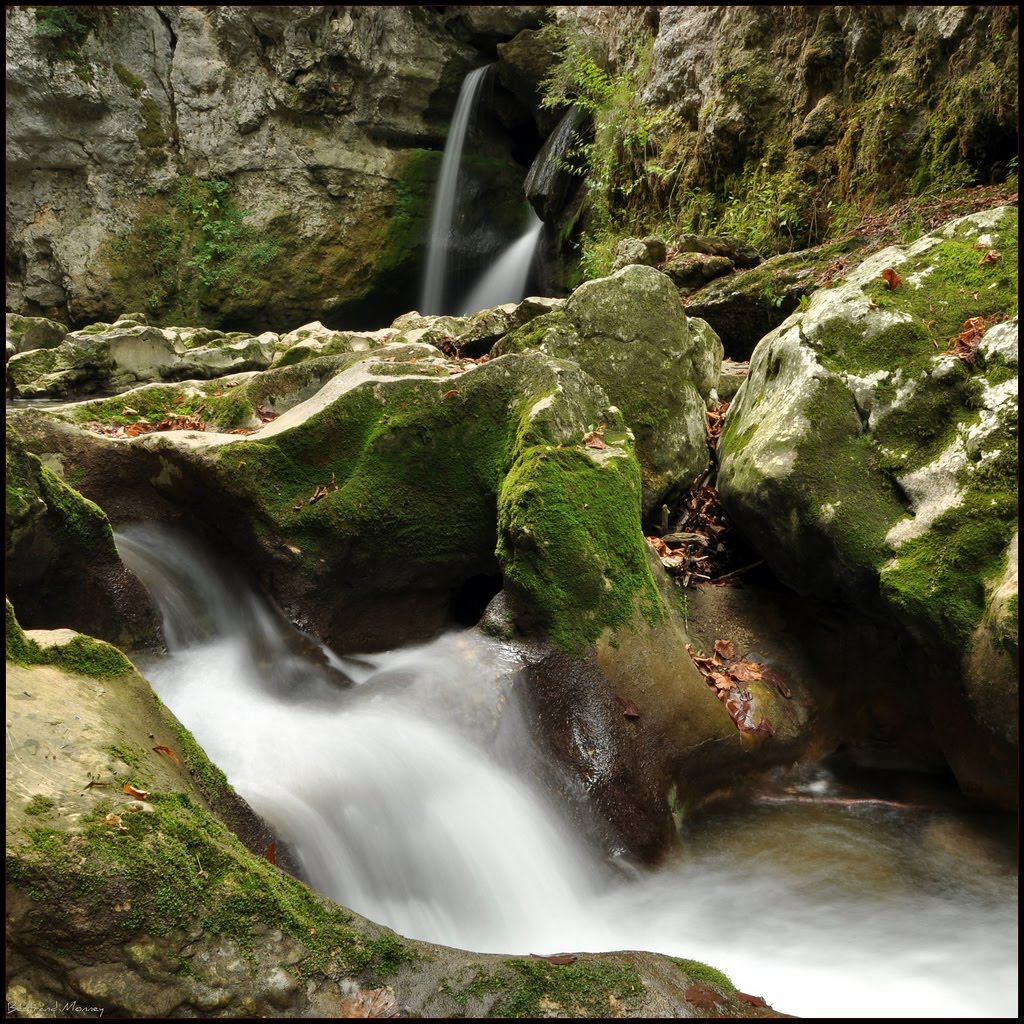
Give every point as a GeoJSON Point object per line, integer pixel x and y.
{"type": "Point", "coordinates": [191, 254]}
{"type": "Point", "coordinates": [20, 649]}
{"type": "Point", "coordinates": [533, 988]}
{"type": "Point", "coordinates": [129, 80]}
{"type": "Point", "coordinates": [937, 580]}
{"type": "Point", "coordinates": [212, 782]}
{"type": "Point", "coordinates": [570, 540]}
{"type": "Point", "coordinates": [88, 657]}
{"type": "Point", "coordinates": [703, 972]}
{"type": "Point", "coordinates": [408, 218]}
{"type": "Point", "coordinates": [39, 805]}
{"type": "Point", "coordinates": [182, 870]}
{"type": "Point", "coordinates": [152, 134]}
{"type": "Point", "coordinates": [82, 654]}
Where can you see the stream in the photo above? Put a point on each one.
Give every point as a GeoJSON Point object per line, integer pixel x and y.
{"type": "Point", "coordinates": [397, 781]}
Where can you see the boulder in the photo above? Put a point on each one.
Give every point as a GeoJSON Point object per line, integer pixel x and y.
{"type": "Point", "coordinates": [744, 307]}
{"type": "Point", "coordinates": [872, 459]}
{"type": "Point", "coordinates": [692, 270]}
{"type": "Point", "coordinates": [630, 333]}
{"type": "Point", "coordinates": [62, 566]}
{"type": "Point", "coordinates": [25, 333]}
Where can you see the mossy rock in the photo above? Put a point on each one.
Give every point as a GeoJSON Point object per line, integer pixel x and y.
{"type": "Point", "coordinates": [867, 463]}
{"type": "Point", "coordinates": [629, 332]}
{"type": "Point", "coordinates": [62, 566]}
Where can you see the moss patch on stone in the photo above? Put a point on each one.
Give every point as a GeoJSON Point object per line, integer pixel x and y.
{"type": "Point", "coordinates": [178, 869]}
{"type": "Point", "coordinates": [569, 540]}
{"type": "Point", "coordinates": [82, 655]}
{"type": "Point", "coordinates": [536, 988]}
{"type": "Point", "coordinates": [704, 972]}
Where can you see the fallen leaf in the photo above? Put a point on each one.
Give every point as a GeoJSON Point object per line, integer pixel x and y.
{"type": "Point", "coordinates": [774, 678]}
{"type": "Point", "coordinates": [703, 996]}
{"type": "Point", "coordinates": [170, 753]}
{"type": "Point", "coordinates": [992, 256]}
{"type": "Point", "coordinates": [298, 504]}
{"type": "Point", "coordinates": [725, 649]}
{"type": "Point", "coordinates": [744, 671]}
{"type": "Point", "coordinates": [892, 279]}
{"type": "Point", "coordinates": [750, 1000]}
{"type": "Point", "coordinates": [370, 1002]}
{"type": "Point", "coordinates": [629, 708]}
{"type": "Point", "coordinates": [270, 853]}
{"type": "Point", "coordinates": [448, 394]}
{"type": "Point", "coordinates": [139, 794]}
{"type": "Point", "coordinates": [115, 820]}
{"type": "Point", "coordinates": [129, 411]}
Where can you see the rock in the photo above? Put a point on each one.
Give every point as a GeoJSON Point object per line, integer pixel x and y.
{"type": "Point", "coordinates": [309, 139]}
{"type": "Point", "coordinates": [62, 566]}
{"type": "Point", "coordinates": [867, 464]}
{"type": "Point", "coordinates": [632, 251]}
{"type": "Point", "coordinates": [25, 333]}
{"type": "Point", "coordinates": [691, 270]}
{"type": "Point", "coordinates": [629, 332]}
{"type": "Point", "coordinates": [744, 307]}
{"type": "Point", "coordinates": [736, 250]}
{"type": "Point", "coordinates": [523, 63]}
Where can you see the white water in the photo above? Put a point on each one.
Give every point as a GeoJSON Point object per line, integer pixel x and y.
{"type": "Point", "coordinates": [506, 280]}
{"type": "Point", "coordinates": [402, 797]}
{"type": "Point", "coordinates": [446, 196]}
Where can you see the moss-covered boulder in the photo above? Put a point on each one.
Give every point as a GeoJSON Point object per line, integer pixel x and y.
{"type": "Point", "coordinates": [105, 357]}
{"type": "Point", "coordinates": [139, 884]}
{"type": "Point", "coordinates": [871, 456]}
{"type": "Point", "coordinates": [62, 566]}
{"type": "Point", "coordinates": [25, 333]}
{"type": "Point", "coordinates": [629, 332]}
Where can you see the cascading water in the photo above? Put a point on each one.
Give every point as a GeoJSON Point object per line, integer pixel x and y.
{"type": "Point", "coordinates": [446, 196]}
{"type": "Point", "coordinates": [506, 279]}
{"type": "Point", "coordinates": [396, 779]}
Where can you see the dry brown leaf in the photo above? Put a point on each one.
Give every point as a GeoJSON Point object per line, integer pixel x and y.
{"type": "Point", "coordinates": [559, 959]}
{"type": "Point", "coordinates": [449, 394]}
{"type": "Point", "coordinates": [115, 820]}
{"type": "Point", "coordinates": [745, 671]}
{"type": "Point", "coordinates": [270, 853]}
{"type": "Point", "coordinates": [703, 996]}
{"type": "Point", "coordinates": [892, 279]}
{"type": "Point", "coordinates": [750, 1000]}
{"type": "Point", "coordinates": [370, 1002]}
{"type": "Point", "coordinates": [129, 411]}
{"type": "Point", "coordinates": [992, 256]}
{"type": "Point", "coordinates": [169, 753]}
{"type": "Point", "coordinates": [725, 649]}
{"type": "Point", "coordinates": [139, 794]}
{"type": "Point", "coordinates": [629, 708]}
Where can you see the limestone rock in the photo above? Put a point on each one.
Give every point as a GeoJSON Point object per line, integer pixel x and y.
{"type": "Point", "coordinates": [867, 463]}
{"type": "Point", "coordinates": [744, 307]}
{"type": "Point", "coordinates": [62, 566]}
{"type": "Point", "coordinates": [630, 333]}
{"type": "Point", "coordinates": [25, 333]}
{"type": "Point", "coordinates": [320, 127]}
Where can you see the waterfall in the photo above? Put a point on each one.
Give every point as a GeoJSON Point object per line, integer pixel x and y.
{"type": "Point", "coordinates": [401, 782]}
{"type": "Point", "coordinates": [547, 181]}
{"type": "Point", "coordinates": [446, 196]}
{"type": "Point", "coordinates": [506, 280]}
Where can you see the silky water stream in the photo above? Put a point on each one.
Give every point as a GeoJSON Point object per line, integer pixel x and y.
{"type": "Point", "coordinates": [401, 794]}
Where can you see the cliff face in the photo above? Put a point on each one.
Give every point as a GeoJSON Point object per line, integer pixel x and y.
{"type": "Point", "coordinates": [237, 165]}
{"type": "Point", "coordinates": [783, 125]}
